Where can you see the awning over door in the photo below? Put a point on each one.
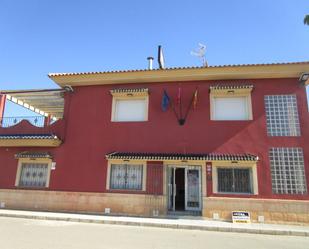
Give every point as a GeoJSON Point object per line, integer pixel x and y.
{"type": "Point", "coordinates": [176, 156]}
{"type": "Point", "coordinates": [33, 154]}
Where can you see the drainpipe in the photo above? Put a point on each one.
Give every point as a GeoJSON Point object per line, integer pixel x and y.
{"type": "Point", "coordinates": [2, 107]}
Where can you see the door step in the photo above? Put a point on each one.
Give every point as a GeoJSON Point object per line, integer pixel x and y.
{"type": "Point", "coordinates": [184, 213]}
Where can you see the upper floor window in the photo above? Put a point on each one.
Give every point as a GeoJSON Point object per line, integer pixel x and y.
{"type": "Point", "coordinates": [130, 105]}
{"type": "Point", "coordinates": [231, 102]}
{"type": "Point", "coordinates": [287, 171]}
{"type": "Point", "coordinates": [282, 115]}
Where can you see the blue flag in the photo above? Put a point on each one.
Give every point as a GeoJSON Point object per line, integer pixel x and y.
{"type": "Point", "coordinates": [165, 101]}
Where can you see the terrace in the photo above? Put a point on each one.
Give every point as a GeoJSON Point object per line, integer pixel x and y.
{"type": "Point", "coordinates": [44, 129]}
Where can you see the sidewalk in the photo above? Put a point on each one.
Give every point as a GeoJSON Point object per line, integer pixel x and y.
{"type": "Point", "coordinates": [176, 223]}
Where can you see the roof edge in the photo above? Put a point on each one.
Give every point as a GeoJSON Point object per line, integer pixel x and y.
{"type": "Point", "coordinates": [179, 156]}
{"type": "Point", "coordinates": [52, 75]}
{"type": "Point", "coordinates": [224, 72]}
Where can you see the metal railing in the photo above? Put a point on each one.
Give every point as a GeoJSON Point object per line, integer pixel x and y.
{"type": "Point", "coordinates": [6, 122]}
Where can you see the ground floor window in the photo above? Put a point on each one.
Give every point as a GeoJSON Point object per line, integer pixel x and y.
{"type": "Point", "coordinates": [287, 171]}
{"type": "Point", "coordinates": [234, 180]}
{"type": "Point", "coordinates": [33, 175]}
{"type": "Point", "coordinates": [126, 176]}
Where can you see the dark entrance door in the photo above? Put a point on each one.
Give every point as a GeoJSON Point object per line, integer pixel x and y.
{"type": "Point", "coordinates": [180, 189]}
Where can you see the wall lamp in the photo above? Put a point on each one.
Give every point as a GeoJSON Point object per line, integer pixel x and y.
{"type": "Point", "coordinates": [304, 78]}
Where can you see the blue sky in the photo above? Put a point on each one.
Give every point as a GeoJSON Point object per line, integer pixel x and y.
{"type": "Point", "coordinates": [38, 37]}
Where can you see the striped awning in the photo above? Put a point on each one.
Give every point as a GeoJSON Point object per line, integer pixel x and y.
{"type": "Point", "coordinates": [226, 88]}
{"type": "Point", "coordinates": [176, 156]}
{"type": "Point", "coordinates": [129, 91]}
{"type": "Point", "coordinates": [29, 136]}
{"type": "Point", "coordinates": [33, 154]}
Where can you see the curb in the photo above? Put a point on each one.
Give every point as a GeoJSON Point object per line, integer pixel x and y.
{"type": "Point", "coordinates": [158, 225]}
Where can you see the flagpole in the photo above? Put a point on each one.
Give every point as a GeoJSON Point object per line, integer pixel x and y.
{"type": "Point", "coordinates": [172, 104]}
{"type": "Point", "coordinates": [180, 104]}
{"type": "Point", "coordinates": [189, 107]}
{"type": "Point", "coordinates": [180, 108]}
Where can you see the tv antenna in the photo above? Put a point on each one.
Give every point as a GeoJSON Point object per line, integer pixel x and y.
{"type": "Point", "coordinates": [200, 53]}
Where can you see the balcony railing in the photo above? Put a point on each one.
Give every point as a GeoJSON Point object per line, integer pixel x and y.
{"type": "Point", "coordinates": [29, 131]}
{"type": "Point", "coordinates": [35, 125]}
{"type": "Point", "coordinates": [7, 122]}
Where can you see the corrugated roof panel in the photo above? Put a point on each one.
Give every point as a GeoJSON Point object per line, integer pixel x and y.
{"type": "Point", "coordinates": [44, 102]}
{"type": "Point", "coordinates": [178, 156]}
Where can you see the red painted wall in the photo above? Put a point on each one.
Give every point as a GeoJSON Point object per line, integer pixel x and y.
{"type": "Point", "coordinates": [155, 178]}
{"type": "Point", "coordinates": [90, 134]}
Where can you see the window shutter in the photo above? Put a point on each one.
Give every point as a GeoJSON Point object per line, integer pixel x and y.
{"type": "Point", "coordinates": [230, 108]}
{"type": "Point", "coordinates": [130, 110]}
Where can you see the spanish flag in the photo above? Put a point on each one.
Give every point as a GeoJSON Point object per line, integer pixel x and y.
{"type": "Point", "coordinates": [195, 99]}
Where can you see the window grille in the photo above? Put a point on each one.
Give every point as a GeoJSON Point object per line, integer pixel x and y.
{"type": "Point", "coordinates": [125, 176]}
{"type": "Point", "coordinates": [234, 180]}
{"type": "Point", "coordinates": [287, 171]}
{"type": "Point", "coordinates": [33, 175]}
{"type": "Point", "coordinates": [282, 115]}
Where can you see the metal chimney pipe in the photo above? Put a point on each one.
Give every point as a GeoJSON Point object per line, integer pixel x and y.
{"type": "Point", "coordinates": [150, 62]}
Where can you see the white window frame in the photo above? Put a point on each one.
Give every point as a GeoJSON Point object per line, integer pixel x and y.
{"type": "Point", "coordinates": [237, 93]}
{"type": "Point", "coordinates": [234, 165]}
{"type": "Point", "coordinates": [130, 162]}
{"type": "Point", "coordinates": [22, 161]}
{"type": "Point", "coordinates": [145, 98]}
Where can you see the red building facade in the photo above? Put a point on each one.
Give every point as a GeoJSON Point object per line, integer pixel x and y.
{"type": "Point", "coordinates": [243, 145]}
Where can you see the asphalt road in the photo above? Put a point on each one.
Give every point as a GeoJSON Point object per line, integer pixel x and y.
{"type": "Point", "coordinates": [16, 233]}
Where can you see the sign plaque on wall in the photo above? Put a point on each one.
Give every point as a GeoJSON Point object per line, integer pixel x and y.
{"type": "Point", "coordinates": [53, 166]}
{"type": "Point", "coordinates": [209, 171]}
{"type": "Point", "coordinates": [241, 217]}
